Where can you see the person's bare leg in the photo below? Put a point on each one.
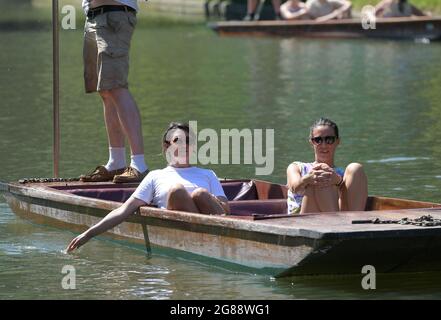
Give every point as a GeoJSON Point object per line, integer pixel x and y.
{"type": "Point", "coordinates": [309, 203]}
{"type": "Point", "coordinates": [129, 117]}
{"type": "Point", "coordinates": [276, 6]}
{"type": "Point", "coordinates": [206, 202]}
{"type": "Point", "coordinates": [115, 133]}
{"type": "Point", "coordinates": [252, 6]}
{"type": "Point", "coordinates": [354, 191]}
{"type": "Point", "coordinates": [180, 199]}
{"type": "Point", "coordinates": [327, 198]}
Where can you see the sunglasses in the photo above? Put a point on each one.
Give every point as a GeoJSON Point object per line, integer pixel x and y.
{"type": "Point", "coordinates": [319, 140]}
{"type": "Point", "coordinates": [177, 140]}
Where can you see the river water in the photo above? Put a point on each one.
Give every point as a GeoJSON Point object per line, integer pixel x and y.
{"type": "Point", "coordinates": [383, 94]}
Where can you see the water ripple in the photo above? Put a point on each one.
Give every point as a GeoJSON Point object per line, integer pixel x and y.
{"type": "Point", "coordinates": [397, 159]}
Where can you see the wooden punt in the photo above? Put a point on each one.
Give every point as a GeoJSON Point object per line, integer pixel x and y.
{"type": "Point", "coordinates": [258, 234]}
{"type": "Point", "coordinates": [390, 28]}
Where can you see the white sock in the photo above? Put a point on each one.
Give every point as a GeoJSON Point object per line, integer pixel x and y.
{"type": "Point", "coordinates": [117, 159]}
{"type": "Point", "coordinates": [137, 161]}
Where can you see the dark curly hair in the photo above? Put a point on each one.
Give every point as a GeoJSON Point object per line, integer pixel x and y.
{"type": "Point", "coordinates": [324, 122]}
{"type": "Point", "coordinates": [178, 125]}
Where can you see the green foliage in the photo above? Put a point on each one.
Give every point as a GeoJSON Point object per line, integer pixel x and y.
{"type": "Point", "coordinates": [430, 5]}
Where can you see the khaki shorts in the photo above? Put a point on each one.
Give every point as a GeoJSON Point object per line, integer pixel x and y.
{"type": "Point", "coordinates": [107, 39]}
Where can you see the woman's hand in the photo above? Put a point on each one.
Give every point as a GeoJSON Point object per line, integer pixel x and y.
{"type": "Point", "coordinates": [323, 176]}
{"type": "Point", "coordinates": [78, 242]}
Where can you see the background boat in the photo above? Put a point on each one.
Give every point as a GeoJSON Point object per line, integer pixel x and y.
{"type": "Point", "coordinates": [390, 28]}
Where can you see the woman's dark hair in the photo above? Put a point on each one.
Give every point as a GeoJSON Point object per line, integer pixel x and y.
{"type": "Point", "coordinates": [324, 122]}
{"type": "Point", "coordinates": [178, 125]}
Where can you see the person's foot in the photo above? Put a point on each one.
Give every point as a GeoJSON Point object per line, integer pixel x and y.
{"type": "Point", "coordinates": [249, 17]}
{"type": "Point", "coordinates": [130, 175]}
{"type": "Point", "coordinates": [101, 174]}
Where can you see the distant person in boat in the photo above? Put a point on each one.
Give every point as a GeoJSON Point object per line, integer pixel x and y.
{"type": "Point", "coordinates": [179, 186]}
{"type": "Point", "coordinates": [396, 8]}
{"type": "Point", "coordinates": [293, 10]}
{"type": "Point", "coordinates": [320, 186]}
{"type": "Point", "coordinates": [107, 36]}
{"type": "Point", "coordinates": [254, 8]}
{"type": "Point", "coordinates": [324, 10]}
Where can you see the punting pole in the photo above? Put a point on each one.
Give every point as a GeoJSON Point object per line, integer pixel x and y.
{"type": "Point", "coordinates": [56, 87]}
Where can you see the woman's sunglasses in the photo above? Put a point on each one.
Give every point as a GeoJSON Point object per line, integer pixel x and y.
{"type": "Point", "coordinates": [319, 140]}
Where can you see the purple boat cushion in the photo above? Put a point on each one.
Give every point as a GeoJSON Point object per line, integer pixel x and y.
{"type": "Point", "coordinates": [118, 195]}
{"type": "Point", "coordinates": [240, 190]}
{"type": "Point", "coordinates": [259, 207]}
{"type": "Point", "coordinates": [243, 193]}
{"type": "Point", "coordinates": [233, 191]}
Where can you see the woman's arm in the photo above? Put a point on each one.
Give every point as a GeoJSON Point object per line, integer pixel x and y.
{"type": "Point", "coordinates": [379, 8]}
{"type": "Point", "coordinates": [297, 183]}
{"type": "Point", "coordinates": [114, 218]}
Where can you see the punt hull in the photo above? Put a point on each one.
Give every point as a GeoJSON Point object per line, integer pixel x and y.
{"type": "Point", "coordinates": [391, 28]}
{"type": "Point", "coordinates": [280, 247]}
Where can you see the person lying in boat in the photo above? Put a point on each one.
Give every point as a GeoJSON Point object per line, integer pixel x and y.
{"type": "Point", "coordinates": [396, 8]}
{"type": "Point", "coordinates": [319, 186]}
{"type": "Point", "coordinates": [293, 10]}
{"type": "Point", "coordinates": [324, 10]}
{"type": "Point", "coordinates": [179, 186]}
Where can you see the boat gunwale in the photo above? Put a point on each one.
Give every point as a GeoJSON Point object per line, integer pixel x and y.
{"type": "Point", "coordinates": [357, 22]}
{"type": "Point", "coordinates": [45, 192]}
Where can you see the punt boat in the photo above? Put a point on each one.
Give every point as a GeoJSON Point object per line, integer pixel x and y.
{"type": "Point", "coordinates": [258, 234]}
{"type": "Point", "coordinates": [387, 28]}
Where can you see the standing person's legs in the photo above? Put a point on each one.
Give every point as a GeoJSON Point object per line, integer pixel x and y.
{"type": "Point", "coordinates": [116, 163]}
{"type": "Point", "coordinates": [129, 118]}
{"type": "Point", "coordinates": [113, 32]}
{"type": "Point", "coordinates": [276, 7]}
{"type": "Point", "coordinates": [354, 191]}
{"type": "Point", "coordinates": [115, 134]}
{"type": "Point", "coordinates": [251, 9]}
{"type": "Point", "coordinates": [252, 6]}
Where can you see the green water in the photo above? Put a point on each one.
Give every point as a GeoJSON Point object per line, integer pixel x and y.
{"type": "Point", "coordinates": [384, 95]}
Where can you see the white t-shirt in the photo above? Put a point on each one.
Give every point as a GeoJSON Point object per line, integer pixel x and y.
{"type": "Point", "coordinates": [318, 9]}
{"type": "Point", "coordinates": [155, 186]}
{"type": "Point", "coordinates": [131, 3]}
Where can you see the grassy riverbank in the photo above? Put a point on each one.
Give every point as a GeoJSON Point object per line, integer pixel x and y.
{"type": "Point", "coordinates": [36, 15]}
{"type": "Point", "coordinates": [427, 5]}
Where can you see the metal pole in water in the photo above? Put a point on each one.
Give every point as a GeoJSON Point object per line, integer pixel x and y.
{"type": "Point", "coordinates": [56, 87]}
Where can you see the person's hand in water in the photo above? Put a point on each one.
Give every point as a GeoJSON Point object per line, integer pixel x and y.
{"type": "Point", "coordinates": [78, 242]}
